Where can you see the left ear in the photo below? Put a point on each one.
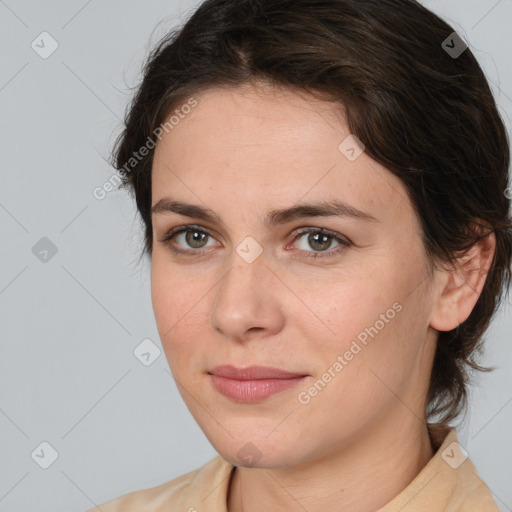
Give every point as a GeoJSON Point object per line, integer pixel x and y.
{"type": "Point", "coordinates": [460, 287]}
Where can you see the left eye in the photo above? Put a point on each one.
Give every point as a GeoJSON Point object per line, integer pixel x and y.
{"type": "Point", "coordinates": [321, 240]}
{"type": "Point", "coordinates": [317, 238]}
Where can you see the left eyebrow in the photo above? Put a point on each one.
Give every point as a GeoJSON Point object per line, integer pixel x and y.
{"type": "Point", "coordinates": [274, 217]}
{"type": "Point", "coordinates": [318, 209]}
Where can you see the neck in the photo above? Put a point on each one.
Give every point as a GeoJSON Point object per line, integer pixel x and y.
{"type": "Point", "coordinates": [363, 477]}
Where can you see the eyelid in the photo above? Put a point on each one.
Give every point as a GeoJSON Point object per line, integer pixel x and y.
{"type": "Point", "coordinates": [321, 231]}
{"type": "Point", "coordinates": [184, 228]}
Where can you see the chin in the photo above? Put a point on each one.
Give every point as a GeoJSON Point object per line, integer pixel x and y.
{"type": "Point", "coordinates": [250, 455]}
{"type": "Point", "coordinates": [249, 448]}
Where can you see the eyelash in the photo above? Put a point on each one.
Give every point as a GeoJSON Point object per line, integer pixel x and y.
{"type": "Point", "coordinates": [344, 243]}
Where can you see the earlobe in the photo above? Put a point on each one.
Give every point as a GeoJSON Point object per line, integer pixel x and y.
{"type": "Point", "coordinates": [460, 287]}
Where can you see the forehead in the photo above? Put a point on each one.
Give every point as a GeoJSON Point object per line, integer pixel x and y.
{"type": "Point", "coordinates": [254, 114]}
{"type": "Point", "coordinates": [263, 144]}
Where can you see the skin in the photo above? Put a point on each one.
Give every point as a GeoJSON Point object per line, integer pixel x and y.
{"type": "Point", "coordinates": [242, 153]}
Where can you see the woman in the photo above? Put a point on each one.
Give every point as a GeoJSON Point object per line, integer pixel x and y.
{"type": "Point", "coordinates": [322, 186]}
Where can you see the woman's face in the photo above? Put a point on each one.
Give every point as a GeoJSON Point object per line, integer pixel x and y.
{"type": "Point", "coordinates": [353, 322]}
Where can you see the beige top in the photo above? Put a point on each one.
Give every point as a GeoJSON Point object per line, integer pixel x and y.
{"type": "Point", "coordinates": [448, 483]}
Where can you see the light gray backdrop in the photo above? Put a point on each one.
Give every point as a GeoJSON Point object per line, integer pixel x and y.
{"type": "Point", "coordinates": [73, 303]}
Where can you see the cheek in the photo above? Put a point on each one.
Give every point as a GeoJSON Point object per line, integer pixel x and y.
{"type": "Point", "coordinates": [177, 306]}
{"type": "Point", "coordinates": [336, 310]}
{"type": "Point", "coordinates": [175, 290]}
{"type": "Point", "coordinates": [367, 322]}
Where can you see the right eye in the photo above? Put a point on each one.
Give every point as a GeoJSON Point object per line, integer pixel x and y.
{"type": "Point", "coordinates": [193, 236]}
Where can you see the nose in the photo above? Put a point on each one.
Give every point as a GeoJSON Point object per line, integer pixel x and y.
{"type": "Point", "coordinates": [247, 301]}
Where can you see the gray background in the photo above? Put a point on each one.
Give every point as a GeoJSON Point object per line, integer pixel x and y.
{"type": "Point", "coordinates": [68, 375]}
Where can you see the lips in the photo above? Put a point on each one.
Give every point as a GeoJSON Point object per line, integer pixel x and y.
{"type": "Point", "coordinates": [252, 384]}
{"type": "Point", "coordinates": [253, 373]}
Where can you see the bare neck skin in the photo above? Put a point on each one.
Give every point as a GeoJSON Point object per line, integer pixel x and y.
{"type": "Point", "coordinates": [363, 477]}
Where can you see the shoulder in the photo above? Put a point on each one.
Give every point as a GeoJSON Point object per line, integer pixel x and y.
{"type": "Point", "coordinates": [469, 492]}
{"type": "Point", "coordinates": [188, 492]}
{"type": "Point", "coordinates": [449, 481]}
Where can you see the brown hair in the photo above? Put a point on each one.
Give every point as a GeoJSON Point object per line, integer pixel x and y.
{"type": "Point", "coordinates": [425, 114]}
